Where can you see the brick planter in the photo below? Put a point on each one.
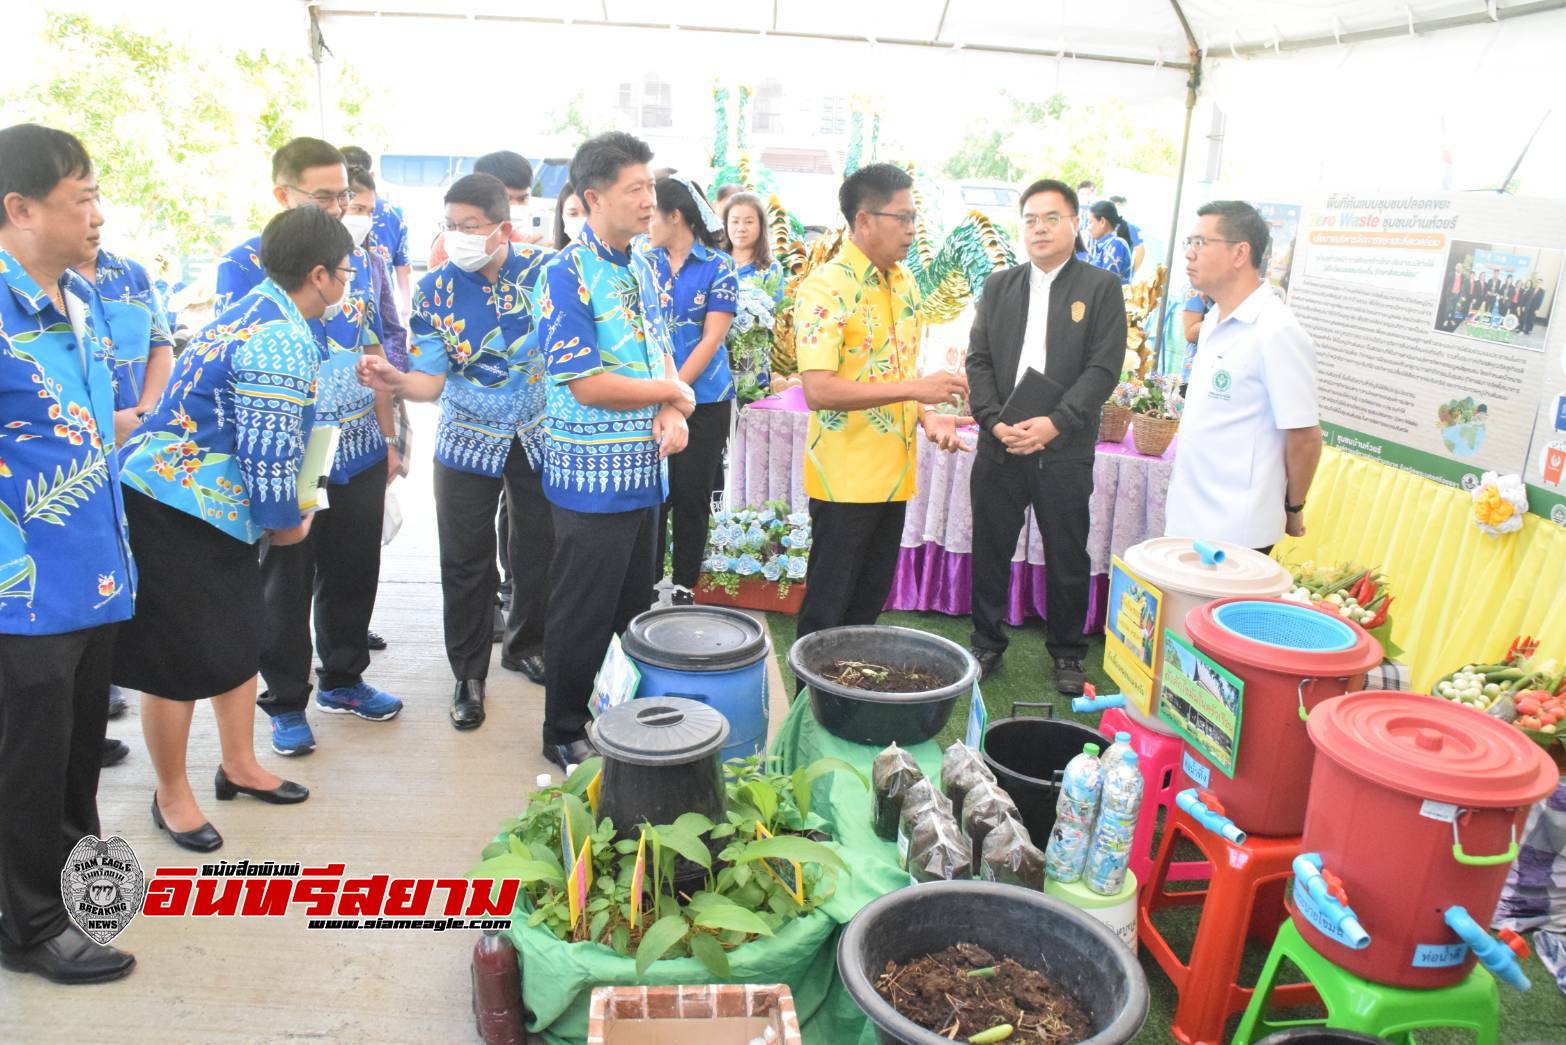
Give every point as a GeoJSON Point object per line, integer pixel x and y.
{"type": "Point", "coordinates": [713, 1014]}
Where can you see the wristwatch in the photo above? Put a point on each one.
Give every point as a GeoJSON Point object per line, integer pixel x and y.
{"type": "Point", "coordinates": [1293, 509]}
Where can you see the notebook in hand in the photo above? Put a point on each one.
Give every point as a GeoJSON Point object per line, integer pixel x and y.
{"type": "Point", "coordinates": [1036, 395]}
{"type": "Point", "coordinates": [316, 466]}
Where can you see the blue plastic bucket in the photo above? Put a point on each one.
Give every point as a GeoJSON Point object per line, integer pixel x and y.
{"type": "Point", "coordinates": [708, 653]}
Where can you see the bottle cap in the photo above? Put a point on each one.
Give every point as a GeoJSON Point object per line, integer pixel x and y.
{"type": "Point", "coordinates": [1122, 737]}
{"type": "Point", "coordinates": [570, 769]}
{"type": "Point", "coordinates": [542, 780]}
{"type": "Point", "coordinates": [1091, 749]}
{"type": "Point", "coordinates": [1131, 758]}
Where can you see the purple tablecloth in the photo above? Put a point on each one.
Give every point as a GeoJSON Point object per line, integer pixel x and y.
{"type": "Point", "coordinates": [934, 572]}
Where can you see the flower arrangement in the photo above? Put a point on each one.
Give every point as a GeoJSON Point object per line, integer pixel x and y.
{"type": "Point", "coordinates": [751, 341]}
{"type": "Point", "coordinates": [1157, 397]}
{"type": "Point", "coordinates": [1500, 502]}
{"type": "Point", "coordinates": [769, 543]}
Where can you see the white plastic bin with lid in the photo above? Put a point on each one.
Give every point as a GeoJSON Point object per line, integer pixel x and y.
{"type": "Point", "coordinates": [1191, 574]}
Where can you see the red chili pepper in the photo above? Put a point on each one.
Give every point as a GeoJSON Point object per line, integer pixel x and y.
{"type": "Point", "coordinates": [1381, 615]}
{"type": "Point", "coordinates": [1368, 592]}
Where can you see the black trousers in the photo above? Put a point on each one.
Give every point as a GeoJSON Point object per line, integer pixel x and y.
{"type": "Point", "coordinates": [853, 556]}
{"type": "Point", "coordinates": [693, 476]}
{"type": "Point", "coordinates": [503, 531]}
{"type": "Point", "coordinates": [338, 566]}
{"type": "Point", "coordinates": [465, 521]}
{"type": "Point", "coordinates": [54, 705]}
{"type": "Point", "coordinates": [1059, 492]}
{"type": "Point", "coordinates": [602, 576]}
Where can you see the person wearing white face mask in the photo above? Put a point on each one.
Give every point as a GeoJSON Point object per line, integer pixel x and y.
{"type": "Point", "coordinates": [516, 174]}
{"type": "Point", "coordinates": [570, 218]}
{"type": "Point", "coordinates": [359, 220]}
{"type": "Point", "coordinates": [475, 349]}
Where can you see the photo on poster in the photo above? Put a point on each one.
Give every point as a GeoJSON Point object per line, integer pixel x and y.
{"type": "Point", "coordinates": [1283, 223]}
{"type": "Point", "coordinates": [1131, 630]}
{"type": "Point", "coordinates": [1203, 701]}
{"type": "Point", "coordinates": [1498, 292]}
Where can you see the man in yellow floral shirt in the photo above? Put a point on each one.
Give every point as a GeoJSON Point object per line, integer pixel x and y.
{"type": "Point", "coordinates": [857, 339]}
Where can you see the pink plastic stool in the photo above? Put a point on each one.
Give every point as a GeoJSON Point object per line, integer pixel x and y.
{"type": "Point", "coordinates": [1158, 757]}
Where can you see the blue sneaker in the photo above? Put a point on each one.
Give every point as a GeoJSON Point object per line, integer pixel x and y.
{"type": "Point", "coordinates": [362, 699]}
{"type": "Point", "coordinates": [291, 734]}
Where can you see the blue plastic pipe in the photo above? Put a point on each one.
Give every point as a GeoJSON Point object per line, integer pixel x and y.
{"type": "Point", "coordinates": [1217, 823]}
{"type": "Point", "coordinates": [1102, 702]}
{"type": "Point", "coordinates": [1307, 869]}
{"type": "Point", "coordinates": [1494, 955]}
{"type": "Point", "coordinates": [1211, 555]}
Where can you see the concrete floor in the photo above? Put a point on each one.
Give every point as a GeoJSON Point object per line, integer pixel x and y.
{"type": "Point", "coordinates": [410, 797]}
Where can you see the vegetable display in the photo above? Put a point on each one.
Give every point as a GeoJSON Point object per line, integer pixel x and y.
{"type": "Point", "coordinates": [1353, 592]}
{"type": "Point", "coordinates": [1527, 692]}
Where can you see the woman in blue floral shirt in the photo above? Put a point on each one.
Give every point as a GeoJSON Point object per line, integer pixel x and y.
{"type": "Point", "coordinates": [698, 294]}
{"type": "Point", "coordinates": [760, 280]}
{"type": "Point", "coordinates": [212, 470]}
{"type": "Point", "coordinates": [1108, 241]}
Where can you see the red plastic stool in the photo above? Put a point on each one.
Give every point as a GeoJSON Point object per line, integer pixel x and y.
{"type": "Point", "coordinates": [1158, 757]}
{"type": "Point", "coordinates": [1243, 899]}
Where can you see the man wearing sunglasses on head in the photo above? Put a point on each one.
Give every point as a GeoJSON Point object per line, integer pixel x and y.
{"type": "Point", "coordinates": [337, 567]}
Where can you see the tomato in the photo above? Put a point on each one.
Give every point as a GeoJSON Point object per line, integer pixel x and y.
{"type": "Point", "coordinates": [1528, 722]}
{"type": "Point", "coordinates": [1527, 706]}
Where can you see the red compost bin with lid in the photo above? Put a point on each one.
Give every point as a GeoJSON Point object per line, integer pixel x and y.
{"type": "Point", "coordinates": [1415, 804]}
{"type": "Point", "coordinates": [1290, 657]}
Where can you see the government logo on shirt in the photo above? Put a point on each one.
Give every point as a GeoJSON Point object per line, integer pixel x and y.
{"type": "Point", "coordinates": [1221, 382]}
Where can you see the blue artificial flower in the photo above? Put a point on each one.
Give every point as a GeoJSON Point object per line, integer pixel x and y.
{"type": "Point", "coordinates": [799, 538]}
{"type": "Point", "coordinates": [796, 567]}
{"type": "Point", "coordinates": [714, 564]}
{"type": "Point", "coordinates": [772, 569]}
{"type": "Point", "coordinates": [799, 519]}
{"type": "Point", "coordinates": [747, 566]}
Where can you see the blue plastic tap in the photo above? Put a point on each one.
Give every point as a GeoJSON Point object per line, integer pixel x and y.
{"type": "Point", "coordinates": [1097, 702]}
{"type": "Point", "coordinates": [1495, 956]}
{"type": "Point", "coordinates": [1307, 870]}
{"type": "Point", "coordinates": [1217, 823]}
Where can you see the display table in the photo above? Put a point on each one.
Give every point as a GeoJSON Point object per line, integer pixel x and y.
{"type": "Point", "coordinates": [934, 569]}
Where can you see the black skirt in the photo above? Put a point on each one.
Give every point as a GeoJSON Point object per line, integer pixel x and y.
{"type": "Point", "coordinates": [197, 629]}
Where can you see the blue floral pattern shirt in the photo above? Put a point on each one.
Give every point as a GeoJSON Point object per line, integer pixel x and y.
{"type": "Point", "coordinates": [705, 283]}
{"type": "Point", "coordinates": [138, 323]}
{"type": "Point", "coordinates": [340, 398]}
{"type": "Point", "coordinates": [1111, 253]}
{"type": "Point", "coordinates": [65, 559]}
{"type": "Point", "coordinates": [481, 336]}
{"type": "Point", "coordinates": [226, 440]}
{"type": "Point", "coordinates": [390, 233]}
{"type": "Point", "coordinates": [598, 313]}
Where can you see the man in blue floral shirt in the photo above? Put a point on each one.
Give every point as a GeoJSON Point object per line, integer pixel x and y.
{"type": "Point", "coordinates": [615, 409]}
{"type": "Point", "coordinates": [66, 577]}
{"type": "Point", "coordinates": [475, 349]}
{"type": "Point", "coordinates": [339, 564]}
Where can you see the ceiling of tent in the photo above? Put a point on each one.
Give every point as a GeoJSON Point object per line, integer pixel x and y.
{"type": "Point", "coordinates": [1144, 31]}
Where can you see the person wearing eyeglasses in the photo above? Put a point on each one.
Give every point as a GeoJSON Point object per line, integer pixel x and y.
{"type": "Point", "coordinates": [475, 349]}
{"type": "Point", "coordinates": [337, 568]}
{"type": "Point", "coordinates": [1250, 437]}
{"type": "Point", "coordinates": [1065, 321]}
{"type": "Point", "coordinates": [857, 333]}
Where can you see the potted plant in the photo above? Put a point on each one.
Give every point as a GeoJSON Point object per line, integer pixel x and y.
{"type": "Point", "coordinates": [756, 558]}
{"type": "Point", "coordinates": [1116, 416]}
{"type": "Point", "coordinates": [1155, 414]}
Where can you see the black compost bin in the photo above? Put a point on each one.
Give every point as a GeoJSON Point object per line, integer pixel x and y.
{"type": "Point", "coordinates": [660, 760]}
{"type": "Point", "coordinates": [1082, 956]}
{"type": "Point", "coordinates": [1028, 755]}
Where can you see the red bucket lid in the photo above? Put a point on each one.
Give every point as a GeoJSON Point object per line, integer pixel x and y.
{"type": "Point", "coordinates": [1431, 748]}
{"type": "Point", "coordinates": [1349, 650]}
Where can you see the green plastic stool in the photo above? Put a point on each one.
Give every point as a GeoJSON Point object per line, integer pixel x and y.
{"type": "Point", "coordinates": [1370, 1008]}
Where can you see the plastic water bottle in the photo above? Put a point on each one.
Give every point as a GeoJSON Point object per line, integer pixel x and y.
{"type": "Point", "coordinates": [1117, 813]}
{"type": "Point", "coordinates": [1117, 752]}
{"type": "Point", "coordinates": [1071, 837]}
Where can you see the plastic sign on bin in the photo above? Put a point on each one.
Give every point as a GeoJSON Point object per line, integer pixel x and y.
{"type": "Point", "coordinates": [978, 720]}
{"type": "Point", "coordinates": [1202, 701]}
{"type": "Point", "coordinates": [617, 679]}
{"type": "Point", "coordinates": [1132, 626]}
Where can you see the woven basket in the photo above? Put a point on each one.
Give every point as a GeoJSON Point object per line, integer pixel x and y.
{"type": "Point", "coordinates": [1112, 423]}
{"type": "Point", "coordinates": [1152, 435]}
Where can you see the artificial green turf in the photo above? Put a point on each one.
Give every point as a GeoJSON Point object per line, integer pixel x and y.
{"type": "Point", "coordinates": [1027, 675]}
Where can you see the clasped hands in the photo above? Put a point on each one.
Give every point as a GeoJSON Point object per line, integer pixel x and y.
{"type": "Point", "coordinates": [1026, 437]}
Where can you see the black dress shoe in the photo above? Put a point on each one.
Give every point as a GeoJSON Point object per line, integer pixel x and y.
{"type": "Point", "coordinates": [285, 794]}
{"type": "Point", "coordinates": [572, 754]}
{"type": "Point", "coordinates": [71, 957]}
{"type": "Point", "coordinates": [203, 839]}
{"type": "Point", "coordinates": [1069, 676]}
{"type": "Point", "coordinates": [114, 752]}
{"type": "Point", "coordinates": [467, 704]}
{"type": "Point", "coordinates": [532, 666]}
{"type": "Point", "coordinates": [118, 704]}
{"type": "Point", "coordinates": [374, 641]}
{"type": "Point", "coordinates": [989, 660]}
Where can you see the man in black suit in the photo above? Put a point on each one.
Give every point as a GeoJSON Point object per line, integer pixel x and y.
{"type": "Point", "coordinates": [1532, 301]}
{"type": "Point", "coordinates": [1067, 320]}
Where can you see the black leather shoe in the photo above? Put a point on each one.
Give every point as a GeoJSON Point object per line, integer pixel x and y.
{"type": "Point", "coordinates": [989, 660]}
{"type": "Point", "coordinates": [118, 704]}
{"type": "Point", "coordinates": [467, 704]}
{"type": "Point", "coordinates": [572, 754]}
{"type": "Point", "coordinates": [203, 839]}
{"type": "Point", "coordinates": [374, 641]}
{"type": "Point", "coordinates": [285, 794]}
{"type": "Point", "coordinates": [531, 666]}
{"type": "Point", "coordinates": [71, 957]}
{"type": "Point", "coordinates": [114, 752]}
{"type": "Point", "coordinates": [1069, 676]}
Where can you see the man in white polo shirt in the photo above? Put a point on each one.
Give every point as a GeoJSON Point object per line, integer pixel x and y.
{"type": "Point", "coordinates": [1250, 439]}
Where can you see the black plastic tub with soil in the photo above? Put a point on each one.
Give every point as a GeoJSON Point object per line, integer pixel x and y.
{"type": "Point", "coordinates": [964, 992]}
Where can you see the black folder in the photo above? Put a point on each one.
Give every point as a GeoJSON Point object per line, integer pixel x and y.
{"type": "Point", "coordinates": [1036, 395]}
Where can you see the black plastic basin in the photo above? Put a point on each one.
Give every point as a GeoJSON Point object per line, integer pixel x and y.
{"type": "Point", "coordinates": [1028, 755]}
{"type": "Point", "coordinates": [882, 718]}
{"type": "Point", "coordinates": [1081, 956]}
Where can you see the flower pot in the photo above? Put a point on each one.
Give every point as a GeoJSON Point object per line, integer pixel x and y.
{"type": "Point", "coordinates": [754, 593]}
{"type": "Point", "coordinates": [1152, 435]}
{"type": "Point", "coordinates": [1112, 423]}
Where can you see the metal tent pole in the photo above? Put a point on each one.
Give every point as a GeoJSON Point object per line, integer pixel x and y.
{"type": "Point", "coordinates": [1191, 86]}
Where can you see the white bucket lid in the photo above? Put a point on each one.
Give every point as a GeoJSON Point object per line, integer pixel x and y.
{"type": "Point", "coordinates": [1177, 563]}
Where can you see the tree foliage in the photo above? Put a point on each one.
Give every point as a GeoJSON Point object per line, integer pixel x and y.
{"type": "Point", "coordinates": [180, 137]}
